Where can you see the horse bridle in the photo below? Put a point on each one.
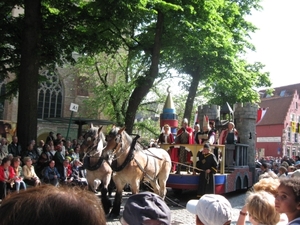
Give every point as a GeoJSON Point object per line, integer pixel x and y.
{"type": "Point", "coordinates": [118, 140]}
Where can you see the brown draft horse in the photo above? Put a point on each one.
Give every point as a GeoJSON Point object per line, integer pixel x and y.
{"type": "Point", "coordinates": [133, 164]}
{"type": "Point", "coordinates": [97, 168]}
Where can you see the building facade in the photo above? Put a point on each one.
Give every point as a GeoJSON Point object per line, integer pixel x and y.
{"type": "Point", "coordinates": [55, 95]}
{"type": "Point", "coordinates": [278, 132]}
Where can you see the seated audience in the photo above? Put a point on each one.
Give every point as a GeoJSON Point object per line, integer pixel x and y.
{"type": "Point", "coordinates": [51, 175]}
{"type": "Point", "coordinates": [51, 205]}
{"type": "Point", "coordinates": [211, 209]}
{"type": "Point", "coordinates": [19, 182]}
{"type": "Point", "coordinates": [30, 177]}
{"type": "Point", "coordinates": [288, 199]}
{"type": "Point", "coordinates": [7, 177]}
{"type": "Point", "coordinates": [78, 174]}
{"type": "Point", "coordinates": [66, 177]}
{"type": "Point", "coordinates": [146, 208]}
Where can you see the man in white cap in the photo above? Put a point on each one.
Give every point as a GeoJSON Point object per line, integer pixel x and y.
{"type": "Point", "coordinates": [211, 209]}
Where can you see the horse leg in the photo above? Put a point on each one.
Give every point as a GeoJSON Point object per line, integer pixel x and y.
{"type": "Point", "coordinates": [118, 198]}
{"type": "Point", "coordinates": [104, 198]}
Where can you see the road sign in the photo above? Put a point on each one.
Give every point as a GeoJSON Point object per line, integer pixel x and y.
{"type": "Point", "coordinates": [74, 107]}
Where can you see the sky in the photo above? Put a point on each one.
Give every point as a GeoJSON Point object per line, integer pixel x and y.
{"type": "Point", "coordinates": [277, 41]}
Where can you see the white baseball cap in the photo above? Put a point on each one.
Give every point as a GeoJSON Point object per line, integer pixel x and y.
{"type": "Point", "coordinates": [211, 209]}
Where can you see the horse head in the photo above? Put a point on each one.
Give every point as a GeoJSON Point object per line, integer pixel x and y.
{"type": "Point", "coordinates": [94, 140]}
{"type": "Point", "coordinates": [114, 141]}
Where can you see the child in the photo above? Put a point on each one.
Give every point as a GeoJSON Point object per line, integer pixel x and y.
{"type": "Point", "coordinates": [288, 199]}
{"type": "Point", "coordinates": [260, 207]}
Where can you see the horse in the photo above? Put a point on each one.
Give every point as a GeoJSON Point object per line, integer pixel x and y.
{"type": "Point", "coordinates": [97, 168]}
{"type": "Point", "coordinates": [133, 164]}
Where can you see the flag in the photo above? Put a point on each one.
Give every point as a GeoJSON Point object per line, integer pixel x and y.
{"type": "Point", "coordinates": [196, 118]}
{"type": "Point", "coordinates": [260, 114]}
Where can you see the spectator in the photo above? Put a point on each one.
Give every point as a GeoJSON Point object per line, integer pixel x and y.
{"type": "Point", "coordinates": [66, 177]}
{"type": "Point", "coordinates": [52, 205]}
{"type": "Point", "coordinates": [30, 177]}
{"type": "Point", "coordinates": [211, 209]}
{"type": "Point", "coordinates": [3, 149]}
{"type": "Point", "coordinates": [51, 175]}
{"type": "Point", "coordinates": [52, 148]}
{"type": "Point", "coordinates": [50, 137]}
{"type": "Point", "coordinates": [32, 153]}
{"type": "Point", "coordinates": [288, 199]}
{"type": "Point", "coordinates": [146, 208]}
{"type": "Point", "coordinates": [7, 177]}
{"type": "Point", "coordinates": [40, 147]}
{"type": "Point", "coordinates": [45, 157]}
{"type": "Point", "coordinates": [68, 147]}
{"type": "Point", "coordinates": [78, 173]}
{"type": "Point", "coordinates": [14, 147]}
{"type": "Point", "coordinates": [19, 182]}
{"type": "Point", "coordinates": [59, 159]}
{"type": "Point", "coordinates": [266, 171]}
{"type": "Point", "coordinates": [282, 171]}
{"type": "Point", "coordinates": [260, 206]}
{"type": "Point", "coordinates": [290, 171]}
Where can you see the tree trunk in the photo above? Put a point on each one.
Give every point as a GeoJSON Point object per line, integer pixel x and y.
{"type": "Point", "coordinates": [191, 97]}
{"type": "Point", "coordinates": [145, 83]}
{"type": "Point", "coordinates": [29, 72]}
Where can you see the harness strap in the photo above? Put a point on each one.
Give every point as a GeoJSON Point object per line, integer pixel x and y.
{"type": "Point", "coordinates": [128, 159]}
{"type": "Point", "coordinates": [87, 164]}
{"type": "Point", "coordinates": [144, 171]}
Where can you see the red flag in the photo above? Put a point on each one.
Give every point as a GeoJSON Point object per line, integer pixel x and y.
{"type": "Point", "coordinates": [260, 114]}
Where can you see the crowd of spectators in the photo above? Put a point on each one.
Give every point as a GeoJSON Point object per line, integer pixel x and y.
{"type": "Point", "coordinates": [54, 161]}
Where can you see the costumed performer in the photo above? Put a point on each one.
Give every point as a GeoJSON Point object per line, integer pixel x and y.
{"type": "Point", "coordinates": [207, 163]}
{"type": "Point", "coordinates": [184, 136]}
{"type": "Point", "coordinates": [166, 137]}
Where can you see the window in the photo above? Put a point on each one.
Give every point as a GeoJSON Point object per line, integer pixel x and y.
{"type": "Point", "coordinates": [50, 96]}
{"type": "Point", "coordinates": [296, 138]}
{"type": "Point", "coordinates": [282, 93]}
{"type": "Point", "coordinates": [292, 117]}
{"type": "Point", "coordinates": [289, 134]}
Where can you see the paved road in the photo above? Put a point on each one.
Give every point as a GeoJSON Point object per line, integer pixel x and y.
{"type": "Point", "coordinates": [180, 216]}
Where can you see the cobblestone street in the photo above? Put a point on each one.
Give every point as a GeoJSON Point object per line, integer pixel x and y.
{"type": "Point", "coordinates": [180, 216]}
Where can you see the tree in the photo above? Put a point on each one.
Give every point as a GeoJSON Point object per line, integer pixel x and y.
{"type": "Point", "coordinates": [211, 52]}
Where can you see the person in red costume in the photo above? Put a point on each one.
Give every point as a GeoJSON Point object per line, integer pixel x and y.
{"type": "Point", "coordinates": [184, 136]}
{"type": "Point", "coordinates": [166, 137]}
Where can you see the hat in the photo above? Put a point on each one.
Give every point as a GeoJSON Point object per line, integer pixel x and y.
{"type": "Point", "coordinates": [206, 145]}
{"type": "Point", "coordinates": [211, 209]}
{"type": "Point", "coordinates": [185, 120]}
{"type": "Point", "coordinates": [146, 206]}
{"type": "Point", "coordinates": [296, 173]}
{"type": "Point", "coordinates": [206, 122]}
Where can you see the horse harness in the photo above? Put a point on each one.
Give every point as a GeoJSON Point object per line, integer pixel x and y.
{"type": "Point", "coordinates": [86, 160]}
{"type": "Point", "coordinates": [130, 157]}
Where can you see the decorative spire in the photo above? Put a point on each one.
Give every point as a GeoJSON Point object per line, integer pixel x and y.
{"type": "Point", "coordinates": [169, 104]}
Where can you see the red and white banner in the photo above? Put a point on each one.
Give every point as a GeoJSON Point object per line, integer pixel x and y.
{"type": "Point", "coordinates": [260, 114]}
{"type": "Point", "coordinates": [196, 118]}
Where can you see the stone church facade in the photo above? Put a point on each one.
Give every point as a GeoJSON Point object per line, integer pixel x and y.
{"type": "Point", "coordinates": [55, 95]}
